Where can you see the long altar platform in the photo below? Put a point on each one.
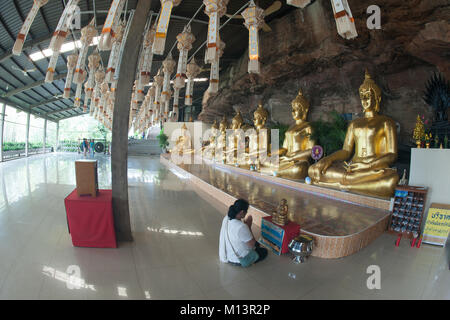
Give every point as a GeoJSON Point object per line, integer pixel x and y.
{"type": "Point", "coordinates": [341, 223]}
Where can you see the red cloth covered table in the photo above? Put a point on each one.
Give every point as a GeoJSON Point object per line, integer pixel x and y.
{"type": "Point", "coordinates": [90, 220]}
{"type": "Point", "coordinates": [276, 236]}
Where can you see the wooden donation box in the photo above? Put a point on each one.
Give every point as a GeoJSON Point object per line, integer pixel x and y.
{"type": "Point", "coordinates": [278, 237]}
{"type": "Point", "coordinates": [87, 177]}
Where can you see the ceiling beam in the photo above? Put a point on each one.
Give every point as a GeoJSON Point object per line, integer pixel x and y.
{"type": "Point", "coordinates": [33, 85]}
{"type": "Point", "coordinates": [46, 102]}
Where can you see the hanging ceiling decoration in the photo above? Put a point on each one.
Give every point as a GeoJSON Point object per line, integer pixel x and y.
{"type": "Point", "coordinates": [115, 51]}
{"type": "Point", "coordinates": [344, 20]}
{"type": "Point", "coordinates": [87, 35]}
{"type": "Point", "coordinates": [71, 63]}
{"type": "Point", "coordinates": [192, 70]}
{"type": "Point", "coordinates": [18, 45]}
{"type": "Point", "coordinates": [77, 102]}
{"type": "Point", "coordinates": [185, 41]}
{"type": "Point", "coordinates": [110, 26]}
{"type": "Point", "coordinates": [298, 3]}
{"type": "Point", "coordinates": [62, 28]}
{"type": "Point", "coordinates": [168, 68]}
{"type": "Point", "coordinates": [163, 25]}
{"type": "Point", "coordinates": [144, 74]}
{"type": "Point", "coordinates": [158, 82]}
{"type": "Point", "coordinates": [254, 19]}
{"type": "Point", "coordinates": [214, 73]}
{"type": "Point", "coordinates": [176, 99]}
{"type": "Point", "coordinates": [93, 64]}
{"type": "Point", "coordinates": [215, 9]}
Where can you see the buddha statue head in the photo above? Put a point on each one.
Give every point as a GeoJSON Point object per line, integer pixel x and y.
{"type": "Point", "coordinates": [260, 116]}
{"type": "Point", "coordinates": [300, 107]}
{"type": "Point", "coordinates": [237, 121]}
{"type": "Point", "coordinates": [223, 124]}
{"type": "Point", "coordinates": [370, 94]}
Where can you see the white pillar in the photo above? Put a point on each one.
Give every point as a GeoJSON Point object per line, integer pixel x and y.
{"type": "Point", "coordinates": [57, 136]}
{"type": "Point", "coordinates": [1, 129]}
{"type": "Point", "coordinates": [45, 134]}
{"type": "Point", "coordinates": [27, 138]}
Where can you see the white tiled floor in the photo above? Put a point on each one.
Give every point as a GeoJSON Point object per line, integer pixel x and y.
{"type": "Point", "coordinates": [175, 250]}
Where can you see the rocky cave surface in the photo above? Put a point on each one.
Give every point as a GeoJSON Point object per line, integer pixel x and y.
{"type": "Point", "coordinates": [305, 51]}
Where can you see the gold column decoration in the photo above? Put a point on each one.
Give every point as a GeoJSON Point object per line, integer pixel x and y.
{"type": "Point", "coordinates": [168, 68]}
{"type": "Point", "coordinates": [61, 31]}
{"type": "Point", "coordinates": [111, 24]}
{"type": "Point", "coordinates": [215, 9]}
{"type": "Point", "coordinates": [419, 132]}
{"type": "Point", "coordinates": [185, 41]}
{"type": "Point", "coordinates": [144, 74]}
{"type": "Point", "coordinates": [192, 70]}
{"type": "Point", "coordinates": [345, 22]}
{"type": "Point", "coordinates": [87, 35]}
{"type": "Point", "coordinates": [254, 20]}
{"type": "Point", "coordinates": [71, 63]}
{"type": "Point", "coordinates": [214, 73]}
{"type": "Point", "coordinates": [158, 83]}
{"type": "Point", "coordinates": [18, 45]}
{"type": "Point", "coordinates": [298, 3]}
{"type": "Point", "coordinates": [163, 25]}
{"type": "Point", "coordinates": [115, 51]}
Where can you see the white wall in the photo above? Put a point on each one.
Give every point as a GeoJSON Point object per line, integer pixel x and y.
{"type": "Point", "coordinates": [431, 168]}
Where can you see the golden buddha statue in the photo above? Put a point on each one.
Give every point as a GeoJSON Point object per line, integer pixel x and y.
{"type": "Point", "coordinates": [297, 145]}
{"type": "Point", "coordinates": [221, 141]}
{"type": "Point", "coordinates": [372, 141]}
{"type": "Point", "coordinates": [209, 150]}
{"type": "Point", "coordinates": [183, 144]}
{"type": "Point", "coordinates": [259, 141]}
{"type": "Point", "coordinates": [280, 216]}
{"type": "Point", "coordinates": [235, 142]}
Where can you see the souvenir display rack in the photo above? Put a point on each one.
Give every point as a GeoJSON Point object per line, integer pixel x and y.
{"type": "Point", "coordinates": [408, 211]}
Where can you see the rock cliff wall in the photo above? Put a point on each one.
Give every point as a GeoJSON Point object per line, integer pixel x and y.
{"type": "Point", "coordinates": [305, 51]}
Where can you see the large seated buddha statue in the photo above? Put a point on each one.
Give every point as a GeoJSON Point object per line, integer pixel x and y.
{"type": "Point", "coordinates": [236, 140]}
{"type": "Point", "coordinates": [221, 140]}
{"type": "Point", "coordinates": [208, 151]}
{"type": "Point", "coordinates": [259, 140]}
{"type": "Point", "coordinates": [297, 145]}
{"type": "Point", "coordinates": [183, 144]}
{"type": "Point", "coordinates": [370, 145]}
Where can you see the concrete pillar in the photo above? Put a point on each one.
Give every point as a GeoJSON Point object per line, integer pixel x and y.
{"type": "Point", "coordinates": [45, 135]}
{"type": "Point", "coordinates": [27, 138]}
{"type": "Point", "coordinates": [2, 126]}
{"type": "Point", "coordinates": [57, 136]}
{"type": "Point", "coordinates": [119, 158]}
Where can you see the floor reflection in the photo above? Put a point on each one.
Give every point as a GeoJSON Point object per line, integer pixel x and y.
{"type": "Point", "coordinates": [314, 213]}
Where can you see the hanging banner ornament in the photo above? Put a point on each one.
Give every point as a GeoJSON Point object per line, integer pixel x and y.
{"type": "Point", "coordinates": [254, 20]}
{"type": "Point", "coordinates": [110, 26]}
{"type": "Point", "coordinates": [18, 45]}
{"type": "Point", "coordinates": [87, 35]}
{"type": "Point", "coordinates": [214, 73]}
{"type": "Point", "coordinates": [93, 64]}
{"type": "Point", "coordinates": [144, 73]}
{"type": "Point", "coordinates": [168, 68]}
{"type": "Point", "coordinates": [163, 25]}
{"type": "Point", "coordinates": [62, 28]}
{"type": "Point", "coordinates": [298, 3]}
{"type": "Point", "coordinates": [192, 70]}
{"type": "Point", "coordinates": [185, 41]}
{"type": "Point", "coordinates": [215, 9]}
{"type": "Point", "coordinates": [115, 52]}
{"type": "Point", "coordinates": [71, 63]}
{"type": "Point", "coordinates": [345, 22]}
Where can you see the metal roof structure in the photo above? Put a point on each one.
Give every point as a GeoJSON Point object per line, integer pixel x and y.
{"type": "Point", "coordinates": [22, 79]}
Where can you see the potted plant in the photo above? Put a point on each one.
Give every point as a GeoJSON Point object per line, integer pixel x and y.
{"type": "Point", "coordinates": [163, 140]}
